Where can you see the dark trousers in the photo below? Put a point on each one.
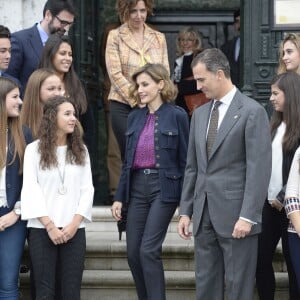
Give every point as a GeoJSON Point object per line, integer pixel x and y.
{"type": "Point", "coordinates": [119, 113]}
{"type": "Point", "coordinates": [274, 227]}
{"type": "Point", "coordinates": [294, 244]}
{"type": "Point", "coordinates": [147, 223]}
{"type": "Point", "coordinates": [49, 260]}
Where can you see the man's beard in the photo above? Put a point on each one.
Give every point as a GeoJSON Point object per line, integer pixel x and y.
{"type": "Point", "coordinates": [52, 29]}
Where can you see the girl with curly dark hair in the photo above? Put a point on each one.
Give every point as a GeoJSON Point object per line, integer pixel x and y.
{"type": "Point", "coordinates": [56, 199]}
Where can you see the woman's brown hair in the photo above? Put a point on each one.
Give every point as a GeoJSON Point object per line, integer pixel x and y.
{"type": "Point", "coordinates": [76, 151]}
{"type": "Point", "coordinates": [73, 86]}
{"type": "Point", "coordinates": [124, 7]}
{"type": "Point", "coordinates": [157, 72]}
{"type": "Point", "coordinates": [32, 108]}
{"type": "Point", "coordinates": [289, 84]}
{"type": "Point", "coordinates": [16, 143]}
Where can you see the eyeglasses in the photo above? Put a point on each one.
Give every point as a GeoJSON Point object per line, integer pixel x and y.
{"type": "Point", "coordinates": [64, 23]}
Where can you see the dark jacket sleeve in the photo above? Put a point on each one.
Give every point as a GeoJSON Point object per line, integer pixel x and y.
{"type": "Point", "coordinates": [16, 60]}
{"type": "Point", "coordinates": [88, 124]}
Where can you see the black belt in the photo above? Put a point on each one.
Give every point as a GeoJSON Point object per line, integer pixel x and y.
{"type": "Point", "coordinates": [147, 171]}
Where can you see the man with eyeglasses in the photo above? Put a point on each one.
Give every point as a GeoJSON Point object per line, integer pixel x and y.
{"type": "Point", "coordinates": [27, 44]}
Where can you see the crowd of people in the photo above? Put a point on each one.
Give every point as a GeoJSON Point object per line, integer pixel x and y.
{"type": "Point", "coordinates": [189, 139]}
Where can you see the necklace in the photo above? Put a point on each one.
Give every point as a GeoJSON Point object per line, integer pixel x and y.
{"type": "Point", "coordinates": [62, 190]}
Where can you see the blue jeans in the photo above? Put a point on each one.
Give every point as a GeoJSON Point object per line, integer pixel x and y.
{"type": "Point", "coordinates": [12, 242]}
{"type": "Point", "coordinates": [294, 243]}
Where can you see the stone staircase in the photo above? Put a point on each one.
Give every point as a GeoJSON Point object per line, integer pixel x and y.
{"type": "Point", "coordinates": [107, 275]}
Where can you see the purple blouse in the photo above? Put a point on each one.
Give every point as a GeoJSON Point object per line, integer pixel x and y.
{"type": "Point", "coordinates": [144, 152]}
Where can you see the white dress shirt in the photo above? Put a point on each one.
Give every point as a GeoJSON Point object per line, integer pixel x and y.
{"type": "Point", "coordinates": [225, 102]}
{"type": "Point", "coordinates": [276, 183]}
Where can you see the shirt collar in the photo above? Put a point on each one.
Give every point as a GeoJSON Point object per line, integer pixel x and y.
{"type": "Point", "coordinates": [43, 34]}
{"type": "Point", "coordinates": [228, 97]}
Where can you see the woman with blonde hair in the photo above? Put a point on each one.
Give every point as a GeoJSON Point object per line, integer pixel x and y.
{"type": "Point", "coordinates": [188, 45]}
{"type": "Point", "coordinates": [152, 175]}
{"type": "Point", "coordinates": [42, 85]}
{"type": "Point", "coordinates": [289, 54]}
{"type": "Point", "coordinates": [13, 140]}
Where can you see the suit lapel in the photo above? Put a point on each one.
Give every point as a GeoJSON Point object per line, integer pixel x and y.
{"type": "Point", "coordinates": [127, 38]}
{"type": "Point", "coordinates": [231, 117]}
{"type": "Point", "coordinates": [35, 42]}
{"type": "Point", "coordinates": [202, 122]}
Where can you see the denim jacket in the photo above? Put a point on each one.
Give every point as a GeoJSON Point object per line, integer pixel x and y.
{"type": "Point", "coordinates": [171, 142]}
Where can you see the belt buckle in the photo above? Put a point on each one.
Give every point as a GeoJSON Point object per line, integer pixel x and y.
{"type": "Point", "coordinates": [147, 171]}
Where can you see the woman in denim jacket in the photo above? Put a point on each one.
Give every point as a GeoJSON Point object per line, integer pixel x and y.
{"type": "Point", "coordinates": [152, 174]}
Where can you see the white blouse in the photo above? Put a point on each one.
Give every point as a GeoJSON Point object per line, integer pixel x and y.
{"type": "Point", "coordinates": [40, 196]}
{"type": "Point", "coordinates": [3, 199]}
{"type": "Point", "coordinates": [292, 192]}
{"type": "Point", "coordinates": [276, 183]}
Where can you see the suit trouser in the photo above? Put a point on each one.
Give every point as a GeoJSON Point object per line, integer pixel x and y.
{"type": "Point", "coordinates": [119, 114]}
{"type": "Point", "coordinates": [114, 163]}
{"type": "Point", "coordinates": [217, 256]}
{"type": "Point", "coordinates": [147, 223]}
{"type": "Point", "coordinates": [274, 227]}
{"type": "Point", "coordinates": [48, 260]}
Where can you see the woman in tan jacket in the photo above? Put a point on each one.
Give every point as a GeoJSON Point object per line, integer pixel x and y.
{"type": "Point", "coordinates": [129, 47]}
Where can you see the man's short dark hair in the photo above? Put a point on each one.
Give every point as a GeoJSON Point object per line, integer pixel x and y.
{"type": "Point", "coordinates": [56, 6]}
{"type": "Point", "coordinates": [214, 59]}
{"type": "Point", "coordinates": [4, 32]}
{"type": "Point", "coordinates": [236, 14]}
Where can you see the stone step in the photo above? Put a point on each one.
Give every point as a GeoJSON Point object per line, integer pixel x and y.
{"type": "Point", "coordinates": [118, 285]}
{"type": "Point", "coordinates": [107, 254]}
{"type": "Point", "coordinates": [104, 222]}
{"type": "Point", "coordinates": [107, 274]}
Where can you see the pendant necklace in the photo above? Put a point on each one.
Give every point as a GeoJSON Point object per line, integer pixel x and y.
{"type": "Point", "coordinates": [62, 190]}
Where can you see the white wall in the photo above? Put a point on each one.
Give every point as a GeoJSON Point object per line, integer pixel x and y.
{"type": "Point", "coordinates": [19, 14]}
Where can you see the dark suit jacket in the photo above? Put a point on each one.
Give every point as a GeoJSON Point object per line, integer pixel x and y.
{"type": "Point", "coordinates": [171, 140]}
{"type": "Point", "coordinates": [234, 179]}
{"type": "Point", "coordinates": [13, 179]}
{"type": "Point", "coordinates": [26, 50]}
{"type": "Point", "coordinates": [229, 50]}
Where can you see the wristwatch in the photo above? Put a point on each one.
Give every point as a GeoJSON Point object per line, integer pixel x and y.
{"type": "Point", "coordinates": [17, 210]}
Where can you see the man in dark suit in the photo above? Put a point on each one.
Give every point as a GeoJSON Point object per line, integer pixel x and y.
{"type": "Point", "coordinates": [27, 44]}
{"type": "Point", "coordinates": [232, 51]}
{"type": "Point", "coordinates": [225, 182]}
